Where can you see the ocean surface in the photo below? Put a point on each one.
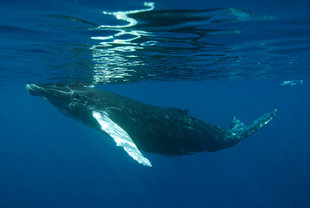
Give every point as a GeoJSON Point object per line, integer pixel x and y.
{"type": "Point", "coordinates": [218, 59]}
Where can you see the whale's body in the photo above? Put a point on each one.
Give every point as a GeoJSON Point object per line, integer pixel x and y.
{"type": "Point", "coordinates": [137, 126]}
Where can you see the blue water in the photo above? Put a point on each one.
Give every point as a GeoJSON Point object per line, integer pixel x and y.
{"type": "Point", "coordinates": [218, 59]}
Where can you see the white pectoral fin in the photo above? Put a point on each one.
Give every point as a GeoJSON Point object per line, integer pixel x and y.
{"type": "Point", "coordinates": [121, 137]}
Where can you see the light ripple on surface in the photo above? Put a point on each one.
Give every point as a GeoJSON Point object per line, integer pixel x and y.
{"type": "Point", "coordinates": [152, 45]}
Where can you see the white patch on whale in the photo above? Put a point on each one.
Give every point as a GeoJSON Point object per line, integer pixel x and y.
{"type": "Point", "coordinates": [121, 137]}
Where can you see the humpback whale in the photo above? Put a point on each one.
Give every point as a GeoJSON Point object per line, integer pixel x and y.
{"type": "Point", "coordinates": [136, 126]}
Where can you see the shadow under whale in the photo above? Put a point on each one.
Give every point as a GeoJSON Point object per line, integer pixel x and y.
{"type": "Point", "coordinates": [137, 126]}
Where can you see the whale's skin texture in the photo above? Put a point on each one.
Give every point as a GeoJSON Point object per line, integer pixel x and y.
{"type": "Point", "coordinates": [161, 130]}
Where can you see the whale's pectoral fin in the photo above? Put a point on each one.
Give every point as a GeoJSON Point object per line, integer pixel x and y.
{"type": "Point", "coordinates": [121, 137]}
{"type": "Point", "coordinates": [242, 131]}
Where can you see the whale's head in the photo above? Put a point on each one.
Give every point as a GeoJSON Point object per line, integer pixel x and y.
{"type": "Point", "coordinates": [49, 91]}
{"type": "Point", "coordinates": [58, 95]}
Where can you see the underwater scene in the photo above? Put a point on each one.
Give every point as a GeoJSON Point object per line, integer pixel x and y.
{"type": "Point", "coordinates": [155, 104]}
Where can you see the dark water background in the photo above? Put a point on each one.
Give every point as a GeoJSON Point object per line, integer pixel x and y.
{"type": "Point", "coordinates": [218, 59]}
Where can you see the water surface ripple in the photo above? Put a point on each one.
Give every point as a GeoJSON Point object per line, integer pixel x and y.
{"type": "Point", "coordinates": [146, 44]}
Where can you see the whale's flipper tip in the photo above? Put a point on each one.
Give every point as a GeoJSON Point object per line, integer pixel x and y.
{"type": "Point", "coordinates": [242, 131]}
